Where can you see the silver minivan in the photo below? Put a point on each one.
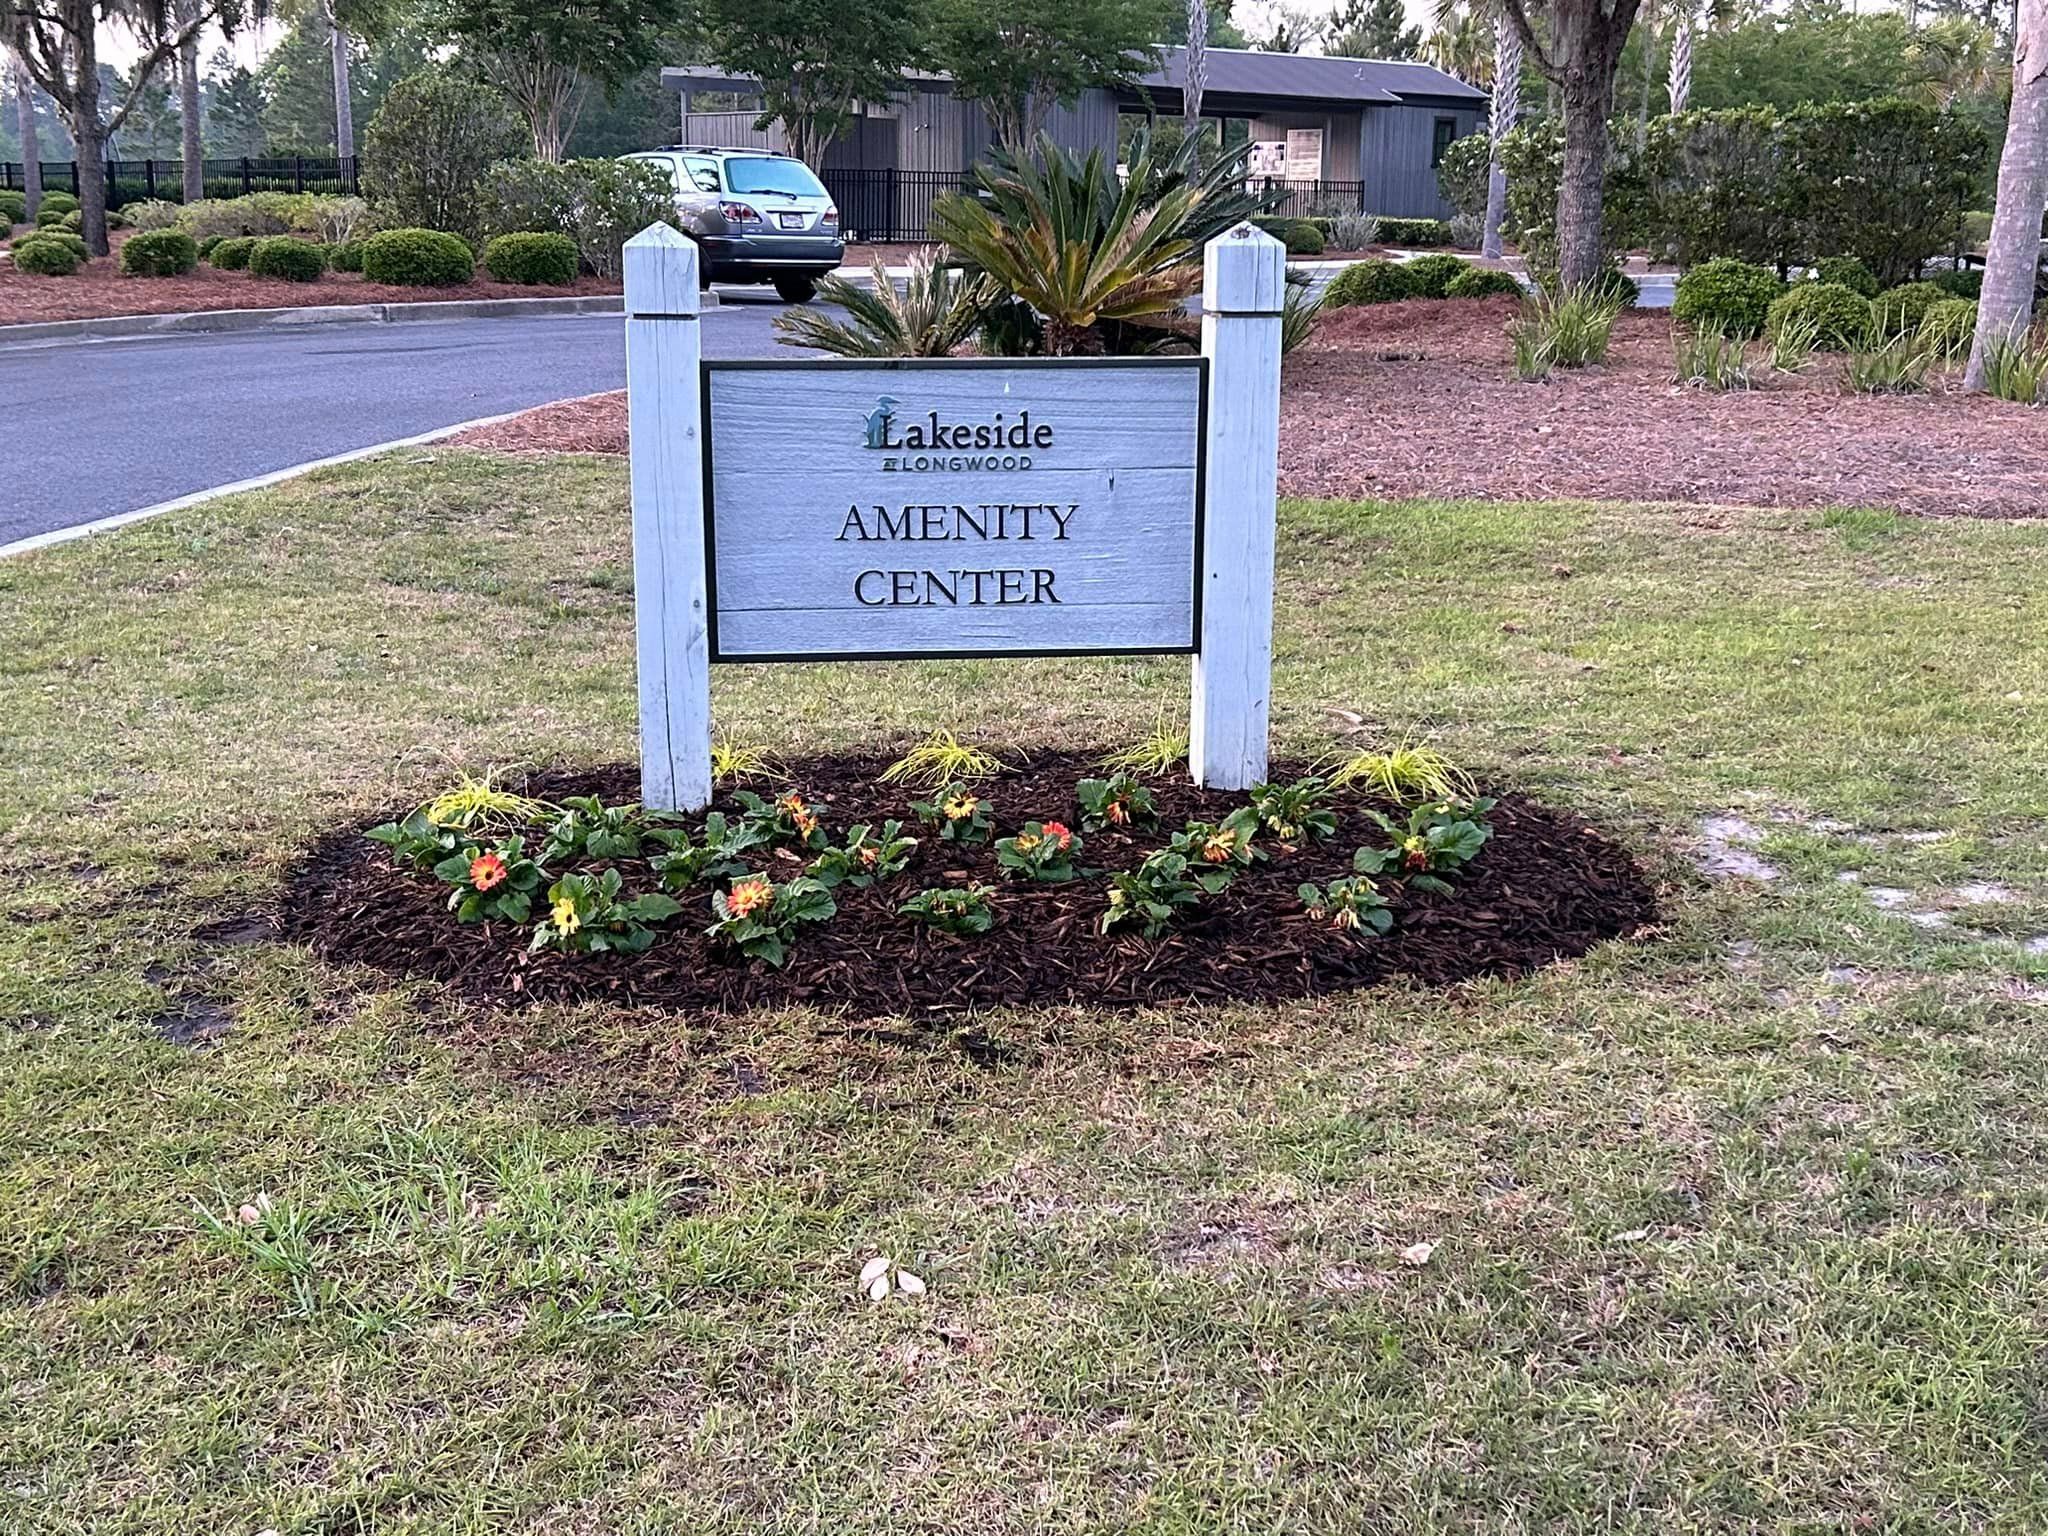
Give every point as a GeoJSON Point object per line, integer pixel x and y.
{"type": "Point", "coordinates": [757, 217]}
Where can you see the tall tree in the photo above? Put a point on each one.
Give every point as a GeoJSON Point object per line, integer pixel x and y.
{"type": "Point", "coordinates": [545, 56]}
{"type": "Point", "coordinates": [1289, 30]}
{"type": "Point", "coordinates": [234, 108]}
{"type": "Point", "coordinates": [1018, 60]}
{"type": "Point", "coordinates": [191, 121]}
{"type": "Point", "coordinates": [1373, 29]}
{"type": "Point", "coordinates": [152, 129]}
{"type": "Point", "coordinates": [25, 127]}
{"type": "Point", "coordinates": [338, 67]}
{"type": "Point", "coordinates": [59, 40]}
{"type": "Point", "coordinates": [1579, 51]}
{"type": "Point", "coordinates": [817, 61]}
{"type": "Point", "coordinates": [1678, 78]}
{"type": "Point", "coordinates": [2012, 257]}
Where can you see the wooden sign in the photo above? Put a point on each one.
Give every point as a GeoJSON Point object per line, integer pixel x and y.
{"type": "Point", "coordinates": [804, 511]}
{"type": "Point", "coordinates": [952, 507]}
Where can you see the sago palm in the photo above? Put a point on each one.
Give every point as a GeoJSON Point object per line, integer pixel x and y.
{"type": "Point", "coordinates": [936, 311]}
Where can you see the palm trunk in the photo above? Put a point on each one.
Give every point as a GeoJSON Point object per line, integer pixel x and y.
{"type": "Point", "coordinates": [192, 164]}
{"type": "Point", "coordinates": [2011, 258]}
{"type": "Point", "coordinates": [1580, 191]}
{"type": "Point", "coordinates": [1196, 75]}
{"type": "Point", "coordinates": [1649, 79]}
{"type": "Point", "coordinates": [344, 104]}
{"type": "Point", "coordinates": [1679, 81]}
{"type": "Point", "coordinates": [25, 127]}
{"type": "Point", "coordinates": [1506, 106]}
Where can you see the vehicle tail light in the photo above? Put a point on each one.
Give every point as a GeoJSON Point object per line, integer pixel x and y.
{"type": "Point", "coordinates": [739, 213]}
{"type": "Point", "coordinates": [831, 216]}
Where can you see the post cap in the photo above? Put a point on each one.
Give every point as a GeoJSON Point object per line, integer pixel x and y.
{"type": "Point", "coordinates": [1244, 272]}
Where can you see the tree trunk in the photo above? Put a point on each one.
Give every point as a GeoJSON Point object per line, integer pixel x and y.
{"type": "Point", "coordinates": [1196, 76]}
{"type": "Point", "coordinates": [344, 103]}
{"type": "Point", "coordinates": [25, 127]}
{"type": "Point", "coordinates": [1679, 81]}
{"type": "Point", "coordinates": [1580, 193]}
{"type": "Point", "coordinates": [89, 143]}
{"type": "Point", "coordinates": [1506, 107]}
{"type": "Point", "coordinates": [1649, 78]}
{"type": "Point", "coordinates": [192, 164]}
{"type": "Point", "coordinates": [2006, 306]}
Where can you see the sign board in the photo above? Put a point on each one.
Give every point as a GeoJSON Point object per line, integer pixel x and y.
{"type": "Point", "coordinates": [898, 508]}
{"type": "Point", "coordinates": [1268, 158]}
{"type": "Point", "coordinates": [1304, 154]}
{"type": "Point", "coordinates": [952, 507]}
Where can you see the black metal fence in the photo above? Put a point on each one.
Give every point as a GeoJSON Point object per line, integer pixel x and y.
{"type": "Point", "coordinates": [134, 181]}
{"type": "Point", "coordinates": [1311, 199]}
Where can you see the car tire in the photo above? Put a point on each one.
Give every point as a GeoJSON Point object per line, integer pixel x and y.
{"type": "Point", "coordinates": [796, 290]}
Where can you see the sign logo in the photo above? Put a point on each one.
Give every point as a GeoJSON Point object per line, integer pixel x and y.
{"type": "Point", "coordinates": [998, 441]}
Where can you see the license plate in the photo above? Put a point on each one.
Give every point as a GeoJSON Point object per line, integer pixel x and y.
{"type": "Point", "coordinates": [791, 220]}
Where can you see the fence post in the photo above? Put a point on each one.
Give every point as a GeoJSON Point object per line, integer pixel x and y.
{"type": "Point", "coordinates": [74, 176]}
{"type": "Point", "coordinates": [149, 176]}
{"type": "Point", "coordinates": [1244, 284]}
{"type": "Point", "coordinates": [245, 175]}
{"type": "Point", "coordinates": [664, 402]}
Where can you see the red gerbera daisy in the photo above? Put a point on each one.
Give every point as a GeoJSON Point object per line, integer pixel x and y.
{"type": "Point", "coordinates": [487, 870]}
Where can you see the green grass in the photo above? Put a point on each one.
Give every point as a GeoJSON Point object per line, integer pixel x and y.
{"type": "Point", "coordinates": [1740, 1227]}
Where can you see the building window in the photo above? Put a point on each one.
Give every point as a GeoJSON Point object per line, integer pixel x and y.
{"type": "Point", "coordinates": [1442, 135]}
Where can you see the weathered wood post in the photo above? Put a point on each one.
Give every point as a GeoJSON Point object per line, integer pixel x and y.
{"type": "Point", "coordinates": [1244, 284]}
{"type": "Point", "coordinates": [665, 424]}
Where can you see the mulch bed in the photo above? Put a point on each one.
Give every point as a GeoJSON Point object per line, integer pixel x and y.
{"type": "Point", "coordinates": [1419, 399]}
{"type": "Point", "coordinates": [1547, 886]}
{"type": "Point", "coordinates": [99, 289]}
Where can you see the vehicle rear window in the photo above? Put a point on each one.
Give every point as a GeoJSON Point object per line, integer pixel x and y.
{"type": "Point", "coordinates": [791, 176]}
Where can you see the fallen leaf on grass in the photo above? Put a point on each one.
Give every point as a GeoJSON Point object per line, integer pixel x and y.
{"type": "Point", "coordinates": [1417, 1254]}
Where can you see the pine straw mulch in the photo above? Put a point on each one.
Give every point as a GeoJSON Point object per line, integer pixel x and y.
{"type": "Point", "coordinates": [1420, 399]}
{"type": "Point", "coordinates": [1547, 886]}
{"type": "Point", "coordinates": [99, 289]}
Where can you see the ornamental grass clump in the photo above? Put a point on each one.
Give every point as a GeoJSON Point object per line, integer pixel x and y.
{"type": "Point", "coordinates": [942, 758]}
{"type": "Point", "coordinates": [1704, 358]}
{"type": "Point", "coordinates": [2015, 368]}
{"type": "Point", "coordinates": [1948, 328]}
{"type": "Point", "coordinates": [1164, 750]}
{"type": "Point", "coordinates": [1896, 367]}
{"type": "Point", "coordinates": [1403, 774]}
{"type": "Point", "coordinates": [1571, 326]}
{"type": "Point", "coordinates": [1840, 315]}
{"type": "Point", "coordinates": [477, 801]}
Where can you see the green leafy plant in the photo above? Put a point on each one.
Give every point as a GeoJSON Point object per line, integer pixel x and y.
{"type": "Point", "coordinates": [1349, 905]}
{"type": "Point", "coordinates": [1151, 896]}
{"type": "Point", "coordinates": [1437, 839]}
{"type": "Point", "coordinates": [1431, 276]}
{"type": "Point", "coordinates": [287, 258]}
{"type": "Point", "coordinates": [787, 819]}
{"type": "Point", "coordinates": [1899, 311]}
{"type": "Point", "coordinates": [761, 919]}
{"type": "Point", "coordinates": [953, 909]}
{"type": "Point", "coordinates": [1846, 272]}
{"type": "Point", "coordinates": [1704, 358]}
{"type": "Point", "coordinates": [1726, 295]}
{"type": "Point", "coordinates": [2015, 368]}
{"type": "Point", "coordinates": [1403, 774]}
{"type": "Point", "coordinates": [589, 829]}
{"type": "Point", "coordinates": [491, 883]}
{"type": "Point", "coordinates": [959, 814]}
{"type": "Point", "coordinates": [433, 138]}
{"type": "Point", "coordinates": [415, 258]}
{"type": "Point", "coordinates": [590, 915]}
{"type": "Point", "coordinates": [1117, 801]}
{"type": "Point", "coordinates": [43, 256]}
{"type": "Point", "coordinates": [232, 254]}
{"type": "Point", "coordinates": [932, 315]}
{"type": "Point", "coordinates": [1228, 845]}
{"type": "Point", "coordinates": [1044, 850]}
{"type": "Point", "coordinates": [1164, 750]}
{"type": "Point", "coordinates": [1292, 812]}
{"type": "Point", "coordinates": [1532, 349]}
{"type": "Point", "coordinates": [1483, 283]}
{"type": "Point", "coordinates": [719, 851]}
{"type": "Point", "coordinates": [866, 858]}
{"type": "Point", "coordinates": [159, 253]}
{"type": "Point", "coordinates": [942, 758]}
{"type": "Point", "coordinates": [1567, 327]}
{"type": "Point", "coordinates": [418, 841]}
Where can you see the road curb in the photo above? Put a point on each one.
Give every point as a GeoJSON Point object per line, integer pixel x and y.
{"type": "Point", "coordinates": [117, 327]}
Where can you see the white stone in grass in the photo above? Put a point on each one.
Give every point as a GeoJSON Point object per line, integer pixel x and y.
{"type": "Point", "coordinates": [909, 1284]}
{"type": "Point", "coordinates": [1981, 893]}
{"type": "Point", "coordinates": [1889, 898]}
{"type": "Point", "coordinates": [2037, 945]}
{"type": "Point", "coordinates": [1417, 1254]}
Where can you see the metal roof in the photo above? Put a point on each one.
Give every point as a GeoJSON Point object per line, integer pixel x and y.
{"type": "Point", "coordinates": [1307, 76]}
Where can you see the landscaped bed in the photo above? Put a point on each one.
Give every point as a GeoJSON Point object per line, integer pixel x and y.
{"type": "Point", "coordinates": [1545, 886]}
{"type": "Point", "coordinates": [1419, 399]}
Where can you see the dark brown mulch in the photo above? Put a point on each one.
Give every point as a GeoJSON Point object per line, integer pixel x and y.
{"type": "Point", "coordinates": [1547, 886]}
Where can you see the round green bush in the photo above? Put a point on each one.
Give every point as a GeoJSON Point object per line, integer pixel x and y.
{"type": "Point", "coordinates": [75, 244]}
{"type": "Point", "coordinates": [286, 257]}
{"type": "Point", "coordinates": [1841, 315]}
{"type": "Point", "coordinates": [1899, 311]}
{"type": "Point", "coordinates": [347, 256]}
{"type": "Point", "coordinates": [232, 254]}
{"type": "Point", "coordinates": [1962, 282]}
{"type": "Point", "coordinates": [1432, 275]}
{"type": "Point", "coordinates": [55, 218]}
{"type": "Point", "coordinates": [206, 246]}
{"type": "Point", "coordinates": [45, 258]}
{"type": "Point", "coordinates": [1482, 283]}
{"type": "Point", "coordinates": [159, 253]}
{"type": "Point", "coordinates": [1847, 271]}
{"type": "Point", "coordinates": [116, 219]}
{"type": "Point", "coordinates": [1302, 238]}
{"type": "Point", "coordinates": [59, 203]}
{"type": "Point", "coordinates": [418, 258]}
{"type": "Point", "coordinates": [1730, 296]}
{"type": "Point", "coordinates": [532, 258]}
{"type": "Point", "coordinates": [13, 207]}
{"type": "Point", "coordinates": [1369, 282]}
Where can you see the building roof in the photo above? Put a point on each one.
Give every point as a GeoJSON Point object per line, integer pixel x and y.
{"type": "Point", "coordinates": [1244, 72]}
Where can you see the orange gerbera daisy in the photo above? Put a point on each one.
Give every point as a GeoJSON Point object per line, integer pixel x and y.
{"type": "Point", "coordinates": [1219, 847]}
{"type": "Point", "coordinates": [487, 870]}
{"type": "Point", "coordinates": [749, 897]}
{"type": "Point", "coordinates": [1057, 831]}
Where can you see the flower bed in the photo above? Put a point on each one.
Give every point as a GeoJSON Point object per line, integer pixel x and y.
{"type": "Point", "coordinates": [1544, 885]}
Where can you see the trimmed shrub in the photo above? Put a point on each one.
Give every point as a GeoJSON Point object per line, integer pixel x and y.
{"type": "Point", "coordinates": [1302, 238]}
{"type": "Point", "coordinates": [206, 246]}
{"type": "Point", "coordinates": [599, 204]}
{"type": "Point", "coordinates": [1840, 316]}
{"type": "Point", "coordinates": [532, 258]}
{"type": "Point", "coordinates": [1848, 271]}
{"type": "Point", "coordinates": [154, 213]}
{"type": "Point", "coordinates": [1726, 295]}
{"type": "Point", "coordinates": [159, 253]}
{"type": "Point", "coordinates": [346, 257]}
{"type": "Point", "coordinates": [1899, 311]}
{"type": "Point", "coordinates": [75, 244]}
{"type": "Point", "coordinates": [1369, 282]}
{"type": "Point", "coordinates": [1431, 276]}
{"type": "Point", "coordinates": [1482, 283]}
{"type": "Point", "coordinates": [287, 257]}
{"type": "Point", "coordinates": [13, 207]}
{"type": "Point", "coordinates": [60, 202]}
{"type": "Point", "coordinates": [232, 254]}
{"type": "Point", "coordinates": [1963, 282]}
{"type": "Point", "coordinates": [53, 218]}
{"type": "Point", "coordinates": [417, 258]}
{"type": "Point", "coordinates": [116, 219]}
{"type": "Point", "coordinates": [432, 140]}
{"type": "Point", "coordinates": [1461, 174]}
{"type": "Point", "coordinates": [45, 258]}
{"type": "Point", "coordinates": [1412, 232]}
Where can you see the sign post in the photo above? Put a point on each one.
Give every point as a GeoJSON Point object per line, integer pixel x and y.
{"type": "Point", "coordinates": [895, 508]}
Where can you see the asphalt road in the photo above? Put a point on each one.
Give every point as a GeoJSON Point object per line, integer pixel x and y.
{"type": "Point", "coordinates": [100, 428]}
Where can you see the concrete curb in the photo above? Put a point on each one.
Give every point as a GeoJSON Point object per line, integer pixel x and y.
{"type": "Point", "coordinates": [116, 327]}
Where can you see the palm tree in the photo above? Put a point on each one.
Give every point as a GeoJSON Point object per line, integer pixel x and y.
{"type": "Point", "coordinates": [1459, 43]}
{"type": "Point", "coordinates": [937, 310]}
{"type": "Point", "coordinates": [2013, 255]}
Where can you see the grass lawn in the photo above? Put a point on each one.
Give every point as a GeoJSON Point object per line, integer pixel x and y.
{"type": "Point", "coordinates": [1738, 1227]}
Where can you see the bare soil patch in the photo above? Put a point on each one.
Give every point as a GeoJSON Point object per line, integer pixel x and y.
{"type": "Point", "coordinates": [1546, 886]}
{"type": "Point", "coordinates": [1420, 399]}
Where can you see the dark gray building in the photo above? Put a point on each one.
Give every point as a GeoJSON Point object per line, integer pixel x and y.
{"type": "Point", "coordinates": [1367, 133]}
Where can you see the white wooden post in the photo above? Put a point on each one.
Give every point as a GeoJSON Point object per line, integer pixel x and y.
{"type": "Point", "coordinates": [1244, 284]}
{"type": "Point", "coordinates": [664, 424]}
